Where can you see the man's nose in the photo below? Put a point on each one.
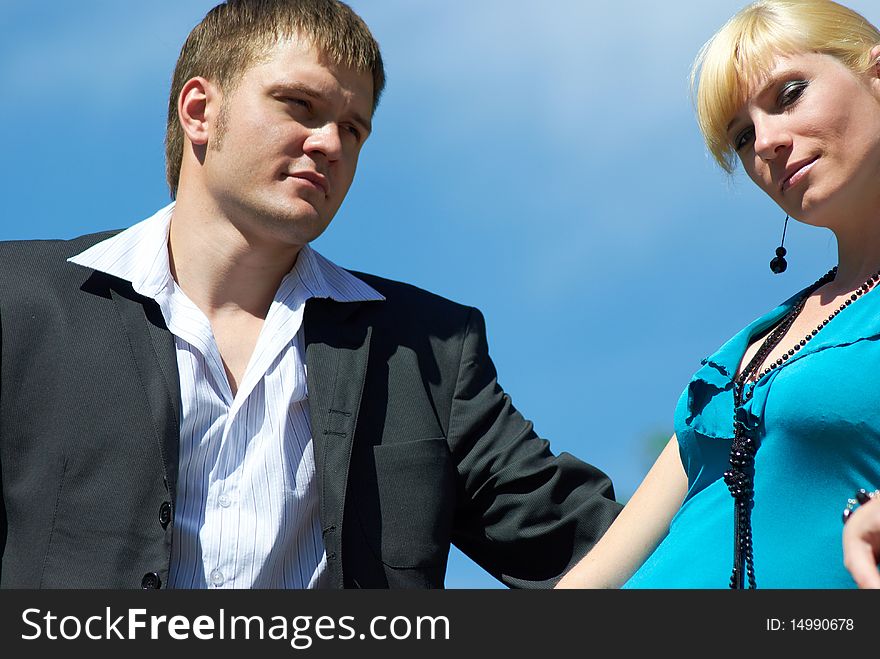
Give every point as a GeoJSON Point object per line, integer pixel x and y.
{"type": "Point", "coordinates": [325, 139]}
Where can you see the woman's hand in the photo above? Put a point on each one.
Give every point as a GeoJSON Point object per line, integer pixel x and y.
{"type": "Point", "coordinates": [861, 544]}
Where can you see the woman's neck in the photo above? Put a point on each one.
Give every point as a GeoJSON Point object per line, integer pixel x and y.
{"type": "Point", "coordinates": [858, 253]}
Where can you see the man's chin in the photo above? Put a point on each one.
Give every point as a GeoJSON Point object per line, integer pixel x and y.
{"type": "Point", "coordinates": [291, 222]}
{"type": "Point", "coordinates": [298, 228]}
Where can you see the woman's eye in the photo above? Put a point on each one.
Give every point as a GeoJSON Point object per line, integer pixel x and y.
{"type": "Point", "coordinates": [791, 92]}
{"type": "Point", "coordinates": [743, 138]}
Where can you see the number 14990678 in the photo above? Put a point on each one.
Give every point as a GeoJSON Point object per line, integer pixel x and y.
{"type": "Point", "coordinates": [810, 624]}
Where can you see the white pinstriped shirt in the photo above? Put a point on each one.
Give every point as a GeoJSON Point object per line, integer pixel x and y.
{"type": "Point", "coordinates": [246, 514]}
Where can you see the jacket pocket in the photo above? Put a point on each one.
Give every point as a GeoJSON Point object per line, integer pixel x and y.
{"type": "Point", "coordinates": [407, 513]}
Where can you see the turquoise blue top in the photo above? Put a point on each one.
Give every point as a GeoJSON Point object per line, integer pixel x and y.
{"type": "Point", "coordinates": [818, 427]}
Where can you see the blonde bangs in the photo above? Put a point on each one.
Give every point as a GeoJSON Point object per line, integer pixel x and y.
{"type": "Point", "coordinates": [738, 57]}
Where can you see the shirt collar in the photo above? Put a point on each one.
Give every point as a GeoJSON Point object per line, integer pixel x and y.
{"type": "Point", "coordinates": [140, 255]}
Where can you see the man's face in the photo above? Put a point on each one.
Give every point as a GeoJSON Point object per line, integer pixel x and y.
{"type": "Point", "coordinates": [283, 150]}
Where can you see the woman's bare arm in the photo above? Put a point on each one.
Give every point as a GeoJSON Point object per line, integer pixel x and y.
{"type": "Point", "coordinates": [639, 528]}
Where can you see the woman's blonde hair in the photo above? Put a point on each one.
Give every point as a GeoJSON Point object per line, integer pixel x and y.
{"type": "Point", "coordinates": [744, 50]}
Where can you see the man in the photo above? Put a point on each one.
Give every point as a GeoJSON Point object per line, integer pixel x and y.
{"type": "Point", "coordinates": [202, 400]}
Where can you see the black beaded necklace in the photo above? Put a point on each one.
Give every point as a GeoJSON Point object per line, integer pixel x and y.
{"type": "Point", "coordinates": [740, 477]}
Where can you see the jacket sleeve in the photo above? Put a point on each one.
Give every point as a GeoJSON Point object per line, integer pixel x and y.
{"type": "Point", "coordinates": [524, 514]}
{"type": "Point", "coordinates": [3, 523]}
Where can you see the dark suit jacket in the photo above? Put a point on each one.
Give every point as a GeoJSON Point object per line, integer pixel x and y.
{"type": "Point", "coordinates": [416, 444]}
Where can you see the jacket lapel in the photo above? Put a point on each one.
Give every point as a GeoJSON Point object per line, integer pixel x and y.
{"type": "Point", "coordinates": [337, 352]}
{"type": "Point", "coordinates": [152, 347]}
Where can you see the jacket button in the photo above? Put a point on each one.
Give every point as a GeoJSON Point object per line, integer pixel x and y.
{"type": "Point", "coordinates": [164, 514]}
{"type": "Point", "coordinates": [151, 581]}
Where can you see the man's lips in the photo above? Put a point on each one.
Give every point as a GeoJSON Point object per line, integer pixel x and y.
{"type": "Point", "coordinates": [795, 172]}
{"type": "Point", "coordinates": [316, 179]}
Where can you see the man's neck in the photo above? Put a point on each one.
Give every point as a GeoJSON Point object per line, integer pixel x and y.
{"type": "Point", "coordinates": [221, 270]}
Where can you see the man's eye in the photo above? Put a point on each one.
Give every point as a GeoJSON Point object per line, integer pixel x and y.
{"type": "Point", "coordinates": [354, 132]}
{"type": "Point", "coordinates": [298, 101]}
{"type": "Point", "coordinates": [791, 92]}
{"type": "Point", "coordinates": [743, 138]}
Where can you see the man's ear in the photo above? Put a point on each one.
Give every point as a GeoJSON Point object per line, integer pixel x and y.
{"type": "Point", "coordinates": [195, 107]}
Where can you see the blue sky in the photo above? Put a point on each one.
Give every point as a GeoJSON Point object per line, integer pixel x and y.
{"type": "Point", "coordinates": [542, 165]}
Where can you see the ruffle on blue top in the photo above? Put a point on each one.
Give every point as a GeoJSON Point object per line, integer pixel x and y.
{"type": "Point", "coordinates": [710, 410]}
{"type": "Point", "coordinates": [706, 411]}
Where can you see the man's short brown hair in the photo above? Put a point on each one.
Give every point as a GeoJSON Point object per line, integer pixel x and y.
{"type": "Point", "coordinates": [236, 34]}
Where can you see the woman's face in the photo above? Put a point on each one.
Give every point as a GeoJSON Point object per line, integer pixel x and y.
{"type": "Point", "coordinates": [809, 136]}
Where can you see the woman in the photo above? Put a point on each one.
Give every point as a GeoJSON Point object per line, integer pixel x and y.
{"type": "Point", "coordinates": [782, 424]}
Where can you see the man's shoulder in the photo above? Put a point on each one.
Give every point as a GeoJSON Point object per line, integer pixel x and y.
{"type": "Point", "coordinates": [403, 293]}
{"type": "Point", "coordinates": [30, 265]}
{"type": "Point", "coordinates": [410, 310]}
{"type": "Point", "coordinates": [50, 250]}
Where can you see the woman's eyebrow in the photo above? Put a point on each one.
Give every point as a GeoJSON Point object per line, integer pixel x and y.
{"type": "Point", "coordinates": [768, 83]}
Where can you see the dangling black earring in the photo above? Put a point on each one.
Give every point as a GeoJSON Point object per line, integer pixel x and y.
{"type": "Point", "coordinates": [778, 264]}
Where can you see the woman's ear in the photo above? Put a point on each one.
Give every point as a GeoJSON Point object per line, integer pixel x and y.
{"type": "Point", "coordinates": [875, 61]}
{"type": "Point", "coordinates": [873, 72]}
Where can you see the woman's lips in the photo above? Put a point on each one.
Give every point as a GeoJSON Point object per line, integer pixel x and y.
{"type": "Point", "coordinates": [798, 172]}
